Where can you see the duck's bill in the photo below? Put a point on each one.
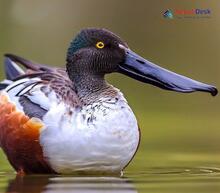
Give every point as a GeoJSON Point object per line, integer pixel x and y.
{"type": "Point", "coordinates": [147, 72]}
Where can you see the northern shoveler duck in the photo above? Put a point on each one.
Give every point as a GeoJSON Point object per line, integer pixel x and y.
{"type": "Point", "coordinates": [66, 120]}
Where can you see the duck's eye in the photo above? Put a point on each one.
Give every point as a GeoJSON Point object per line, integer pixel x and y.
{"type": "Point", "coordinates": [100, 45]}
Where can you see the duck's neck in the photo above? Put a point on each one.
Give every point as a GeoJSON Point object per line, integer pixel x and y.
{"type": "Point", "coordinates": [92, 88]}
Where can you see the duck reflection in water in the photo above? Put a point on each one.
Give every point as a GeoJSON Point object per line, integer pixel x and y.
{"type": "Point", "coordinates": [67, 184]}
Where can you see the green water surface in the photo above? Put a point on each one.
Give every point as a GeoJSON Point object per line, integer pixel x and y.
{"type": "Point", "coordinates": [175, 173]}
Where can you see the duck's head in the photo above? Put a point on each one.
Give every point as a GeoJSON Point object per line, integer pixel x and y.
{"type": "Point", "coordinates": [98, 52]}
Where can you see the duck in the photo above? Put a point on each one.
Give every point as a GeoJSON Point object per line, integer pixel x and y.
{"type": "Point", "coordinates": [70, 120]}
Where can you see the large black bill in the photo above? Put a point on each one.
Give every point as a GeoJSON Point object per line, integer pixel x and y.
{"type": "Point", "coordinates": [145, 71]}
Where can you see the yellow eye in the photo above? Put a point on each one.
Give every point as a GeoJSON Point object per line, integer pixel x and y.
{"type": "Point", "coordinates": [100, 45]}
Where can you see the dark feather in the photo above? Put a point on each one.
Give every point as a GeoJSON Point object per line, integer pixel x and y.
{"type": "Point", "coordinates": [28, 64]}
{"type": "Point", "coordinates": [31, 109]}
{"type": "Point", "coordinates": [3, 86]}
{"type": "Point", "coordinates": [11, 70]}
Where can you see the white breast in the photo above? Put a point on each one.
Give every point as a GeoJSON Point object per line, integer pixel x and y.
{"type": "Point", "coordinates": [102, 137]}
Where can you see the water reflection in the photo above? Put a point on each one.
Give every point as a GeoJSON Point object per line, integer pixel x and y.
{"type": "Point", "coordinates": [151, 180]}
{"type": "Point", "coordinates": [57, 184]}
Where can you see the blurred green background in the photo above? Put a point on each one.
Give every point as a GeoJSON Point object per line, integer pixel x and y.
{"type": "Point", "coordinates": [186, 126]}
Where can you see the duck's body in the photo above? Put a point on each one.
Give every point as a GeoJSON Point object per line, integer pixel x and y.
{"type": "Point", "coordinates": [53, 121]}
{"type": "Point", "coordinates": [95, 135]}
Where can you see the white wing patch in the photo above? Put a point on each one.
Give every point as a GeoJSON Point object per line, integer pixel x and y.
{"type": "Point", "coordinates": [12, 91]}
{"type": "Point", "coordinates": [38, 97]}
{"type": "Point", "coordinates": [31, 88]}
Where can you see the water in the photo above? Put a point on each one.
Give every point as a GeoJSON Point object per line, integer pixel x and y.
{"type": "Point", "coordinates": [188, 175]}
{"type": "Point", "coordinates": [152, 180]}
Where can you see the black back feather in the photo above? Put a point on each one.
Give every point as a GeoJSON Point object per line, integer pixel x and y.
{"type": "Point", "coordinates": [12, 70]}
